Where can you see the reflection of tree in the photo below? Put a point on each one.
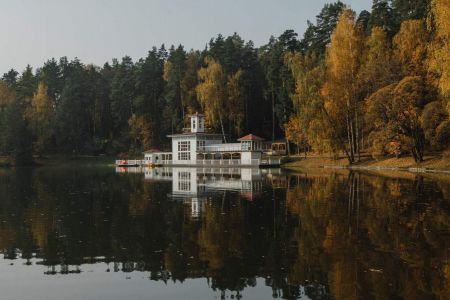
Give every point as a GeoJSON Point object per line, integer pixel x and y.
{"type": "Point", "coordinates": [374, 236]}
{"type": "Point", "coordinates": [342, 235]}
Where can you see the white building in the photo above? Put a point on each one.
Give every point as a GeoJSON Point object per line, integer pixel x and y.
{"type": "Point", "coordinates": [196, 147]}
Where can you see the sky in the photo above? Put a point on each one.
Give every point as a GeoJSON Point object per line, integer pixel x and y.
{"type": "Point", "coordinates": [95, 31]}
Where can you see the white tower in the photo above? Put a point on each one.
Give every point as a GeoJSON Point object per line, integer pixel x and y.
{"type": "Point", "coordinates": [197, 123]}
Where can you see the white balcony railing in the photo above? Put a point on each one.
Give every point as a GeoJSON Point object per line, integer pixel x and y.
{"type": "Point", "coordinates": [223, 147]}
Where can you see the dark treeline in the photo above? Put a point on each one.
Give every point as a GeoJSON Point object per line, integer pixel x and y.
{"type": "Point", "coordinates": [375, 82]}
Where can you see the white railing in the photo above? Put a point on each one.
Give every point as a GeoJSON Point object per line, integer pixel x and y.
{"type": "Point", "coordinates": [270, 161]}
{"type": "Point", "coordinates": [206, 162]}
{"type": "Point", "coordinates": [222, 162]}
{"type": "Point", "coordinates": [223, 147]}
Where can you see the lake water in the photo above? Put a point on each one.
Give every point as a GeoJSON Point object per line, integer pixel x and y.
{"type": "Point", "coordinates": [184, 233]}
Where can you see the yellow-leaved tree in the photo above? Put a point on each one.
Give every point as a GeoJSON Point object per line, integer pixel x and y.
{"type": "Point", "coordinates": [341, 88]}
{"type": "Point", "coordinates": [410, 47]}
{"type": "Point", "coordinates": [309, 72]}
{"type": "Point", "coordinates": [40, 116]}
{"type": "Point", "coordinates": [295, 133]}
{"type": "Point", "coordinates": [212, 93]}
{"type": "Point", "coordinates": [377, 69]}
{"type": "Point", "coordinates": [439, 51]}
{"type": "Point", "coordinates": [395, 112]}
{"type": "Point", "coordinates": [140, 132]}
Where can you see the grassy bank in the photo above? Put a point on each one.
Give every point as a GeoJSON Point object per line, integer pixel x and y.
{"type": "Point", "coordinates": [434, 162]}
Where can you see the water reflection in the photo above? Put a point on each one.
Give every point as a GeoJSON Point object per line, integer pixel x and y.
{"type": "Point", "coordinates": [313, 235]}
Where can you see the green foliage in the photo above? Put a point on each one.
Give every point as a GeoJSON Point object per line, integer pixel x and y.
{"type": "Point", "coordinates": [410, 9]}
{"type": "Point", "coordinates": [318, 36]}
{"type": "Point", "coordinates": [382, 16]}
{"type": "Point", "coordinates": [15, 139]}
{"type": "Point", "coordinates": [279, 83]}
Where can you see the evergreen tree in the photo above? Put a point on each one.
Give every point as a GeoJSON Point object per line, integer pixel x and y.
{"type": "Point", "coordinates": [15, 140]}
{"type": "Point", "coordinates": [409, 9]}
{"type": "Point", "coordinates": [189, 83]}
{"type": "Point", "coordinates": [149, 89]}
{"type": "Point", "coordinates": [73, 119]}
{"type": "Point", "coordinates": [318, 36]}
{"type": "Point", "coordinates": [122, 96]}
{"type": "Point", "coordinates": [382, 16]}
{"type": "Point", "coordinates": [26, 85]}
{"type": "Point", "coordinates": [279, 83]}
{"type": "Point", "coordinates": [50, 75]}
{"type": "Point", "coordinates": [174, 71]}
{"type": "Point", "coordinates": [10, 78]}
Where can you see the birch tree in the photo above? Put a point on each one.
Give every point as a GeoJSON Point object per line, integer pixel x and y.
{"type": "Point", "coordinates": [212, 94]}
{"type": "Point", "coordinates": [340, 89]}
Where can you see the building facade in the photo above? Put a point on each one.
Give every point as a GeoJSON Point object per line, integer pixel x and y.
{"type": "Point", "coordinates": [196, 147]}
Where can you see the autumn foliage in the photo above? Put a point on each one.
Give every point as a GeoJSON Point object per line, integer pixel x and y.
{"type": "Point", "coordinates": [379, 94]}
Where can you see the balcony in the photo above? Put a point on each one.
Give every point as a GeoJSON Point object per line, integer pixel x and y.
{"type": "Point", "coordinates": [231, 147]}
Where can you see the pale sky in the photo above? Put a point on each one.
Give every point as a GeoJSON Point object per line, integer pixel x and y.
{"type": "Point", "coordinates": [32, 31]}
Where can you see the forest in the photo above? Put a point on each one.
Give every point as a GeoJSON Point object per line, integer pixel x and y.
{"type": "Point", "coordinates": [373, 82]}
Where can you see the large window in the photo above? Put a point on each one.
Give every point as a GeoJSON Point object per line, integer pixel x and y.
{"type": "Point", "coordinates": [184, 146]}
{"type": "Point", "coordinates": [184, 186]}
{"type": "Point", "coordinates": [246, 146]}
{"type": "Point", "coordinates": [184, 150]}
{"type": "Point", "coordinates": [184, 175]}
{"type": "Point", "coordinates": [184, 183]}
{"type": "Point", "coordinates": [184, 155]}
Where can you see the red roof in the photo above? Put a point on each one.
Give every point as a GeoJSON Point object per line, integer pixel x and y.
{"type": "Point", "coordinates": [250, 137]}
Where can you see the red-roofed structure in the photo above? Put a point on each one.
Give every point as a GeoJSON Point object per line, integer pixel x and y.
{"type": "Point", "coordinates": [250, 137]}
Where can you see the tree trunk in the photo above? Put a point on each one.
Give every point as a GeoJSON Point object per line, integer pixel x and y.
{"type": "Point", "coordinates": [273, 116]}
{"type": "Point", "coordinates": [288, 148]}
{"type": "Point", "coordinates": [349, 141]}
{"type": "Point", "coordinates": [358, 151]}
{"type": "Point", "coordinates": [221, 126]}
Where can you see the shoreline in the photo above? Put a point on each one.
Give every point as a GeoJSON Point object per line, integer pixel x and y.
{"type": "Point", "coordinates": [436, 163]}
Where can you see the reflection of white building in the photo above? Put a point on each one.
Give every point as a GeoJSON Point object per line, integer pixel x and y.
{"type": "Point", "coordinates": [196, 147]}
{"type": "Point", "coordinates": [197, 182]}
{"type": "Point", "coordinates": [194, 185]}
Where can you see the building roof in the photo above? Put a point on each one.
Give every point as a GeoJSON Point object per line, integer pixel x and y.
{"type": "Point", "coordinates": [197, 115]}
{"type": "Point", "coordinates": [185, 134]}
{"type": "Point", "coordinates": [250, 137]}
{"type": "Point", "coordinates": [152, 151]}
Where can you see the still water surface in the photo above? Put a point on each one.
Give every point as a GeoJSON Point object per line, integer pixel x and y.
{"type": "Point", "coordinates": [183, 233]}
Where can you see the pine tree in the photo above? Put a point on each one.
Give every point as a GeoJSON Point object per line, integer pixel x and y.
{"type": "Point", "coordinates": [382, 16]}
